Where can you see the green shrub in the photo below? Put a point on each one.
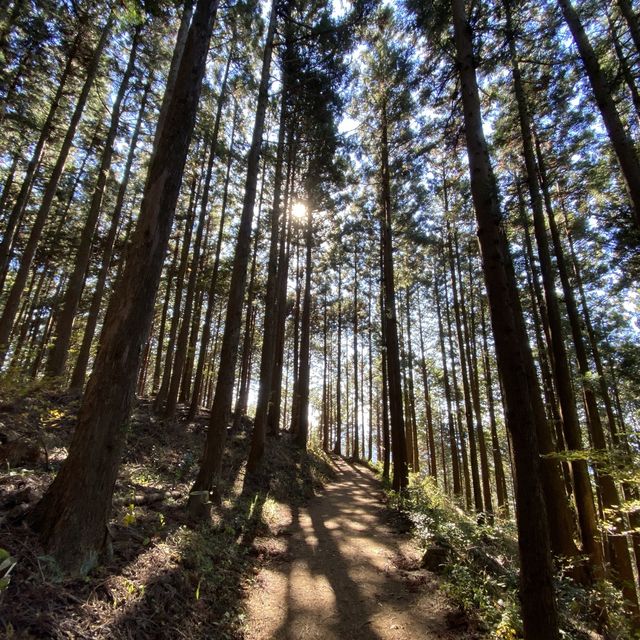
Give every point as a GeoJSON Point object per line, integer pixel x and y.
{"type": "Point", "coordinates": [480, 573]}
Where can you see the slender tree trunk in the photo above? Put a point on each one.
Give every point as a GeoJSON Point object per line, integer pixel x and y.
{"type": "Point", "coordinates": [370, 350]}
{"type": "Point", "coordinates": [562, 374]}
{"type": "Point", "coordinates": [620, 557]}
{"type": "Point", "coordinates": [183, 335]}
{"type": "Point", "coordinates": [543, 339]}
{"type": "Point", "coordinates": [221, 408]}
{"type": "Point", "coordinates": [626, 9]}
{"type": "Point", "coordinates": [173, 388]}
{"type": "Point", "coordinates": [296, 337]}
{"type": "Point", "coordinates": [176, 58]}
{"type": "Point", "coordinates": [242, 400]}
{"type": "Point", "coordinates": [623, 146]}
{"type": "Point", "coordinates": [431, 443]}
{"type": "Point", "coordinates": [62, 335]}
{"type": "Point", "coordinates": [398, 442]}
{"type": "Point", "coordinates": [171, 273]}
{"type": "Point", "coordinates": [213, 285]}
{"type": "Point", "coordinates": [305, 339]}
{"type": "Point", "coordinates": [19, 205]}
{"type": "Point", "coordinates": [593, 343]}
{"type": "Point", "coordinates": [7, 186]}
{"type": "Point", "coordinates": [80, 368]}
{"type": "Point", "coordinates": [411, 388]}
{"type": "Point", "coordinates": [13, 300]}
{"type": "Point", "coordinates": [273, 417]}
{"type": "Point", "coordinates": [40, 349]}
{"type": "Point", "coordinates": [466, 477]}
{"type": "Point", "coordinates": [625, 69]}
{"type": "Point", "coordinates": [324, 424]}
{"type": "Point", "coordinates": [468, 411]}
{"type": "Point", "coordinates": [356, 439]}
{"type": "Point", "coordinates": [161, 396]}
{"type": "Point", "coordinates": [386, 429]}
{"type": "Point", "coordinates": [194, 333]}
{"type": "Point", "coordinates": [501, 484]}
{"type": "Point", "coordinates": [474, 383]}
{"type": "Point", "coordinates": [277, 230]}
{"type": "Point", "coordinates": [455, 460]}
{"type": "Point", "coordinates": [338, 443]}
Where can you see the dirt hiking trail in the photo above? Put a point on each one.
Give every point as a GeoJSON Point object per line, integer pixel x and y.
{"type": "Point", "coordinates": [342, 573]}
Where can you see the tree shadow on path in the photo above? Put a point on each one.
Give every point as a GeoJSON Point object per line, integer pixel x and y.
{"type": "Point", "coordinates": [339, 579]}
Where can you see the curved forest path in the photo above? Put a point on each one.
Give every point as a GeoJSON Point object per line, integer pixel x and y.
{"type": "Point", "coordinates": [342, 573]}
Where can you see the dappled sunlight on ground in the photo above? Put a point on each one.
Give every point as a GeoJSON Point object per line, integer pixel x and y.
{"type": "Point", "coordinates": [340, 578]}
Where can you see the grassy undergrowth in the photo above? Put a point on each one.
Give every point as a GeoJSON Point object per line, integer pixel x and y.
{"type": "Point", "coordinates": [478, 565]}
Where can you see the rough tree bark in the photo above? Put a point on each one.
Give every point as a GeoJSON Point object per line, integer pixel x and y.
{"type": "Point", "coordinates": [73, 514]}
{"type": "Point", "coordinates": [539, 613]}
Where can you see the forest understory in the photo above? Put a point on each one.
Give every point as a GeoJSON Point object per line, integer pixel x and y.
{"type": "Point", "coordinates": [167, 578]}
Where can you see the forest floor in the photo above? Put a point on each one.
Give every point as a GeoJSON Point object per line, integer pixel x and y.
{"type": "Point", "coordinates": [306, 550]}
{"type": "Point", "coordinates": [344, 571]}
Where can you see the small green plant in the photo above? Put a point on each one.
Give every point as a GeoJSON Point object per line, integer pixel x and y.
{"type": "Point", "coordinates": [129, 517]}
{"type": "Point", "coordinates": [7, 563]}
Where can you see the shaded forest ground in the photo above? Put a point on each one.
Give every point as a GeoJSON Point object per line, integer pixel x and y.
{"type": "Point", "coordinates": [166, 580]}
{"type": "Point", "coordinates": [276, 561]}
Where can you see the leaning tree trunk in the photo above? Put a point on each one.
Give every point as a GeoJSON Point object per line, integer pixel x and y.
{"type": "Point", "coordinates": [561, 368]}
{"type": "Point", "coordinates": [73, 514]}
{"type": "Point", "coordinates": [620, 558]}
{"type": "Point", "coordinates": [623, 145]}
{"type": "Point", "coordinates": [13, 221]}
{"type": "Point", "coordinates": [82, 362]}
{"type": "Point", "coordinates": [626, 9]}
{"type": "Point", "coordinates": [13, 300]}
